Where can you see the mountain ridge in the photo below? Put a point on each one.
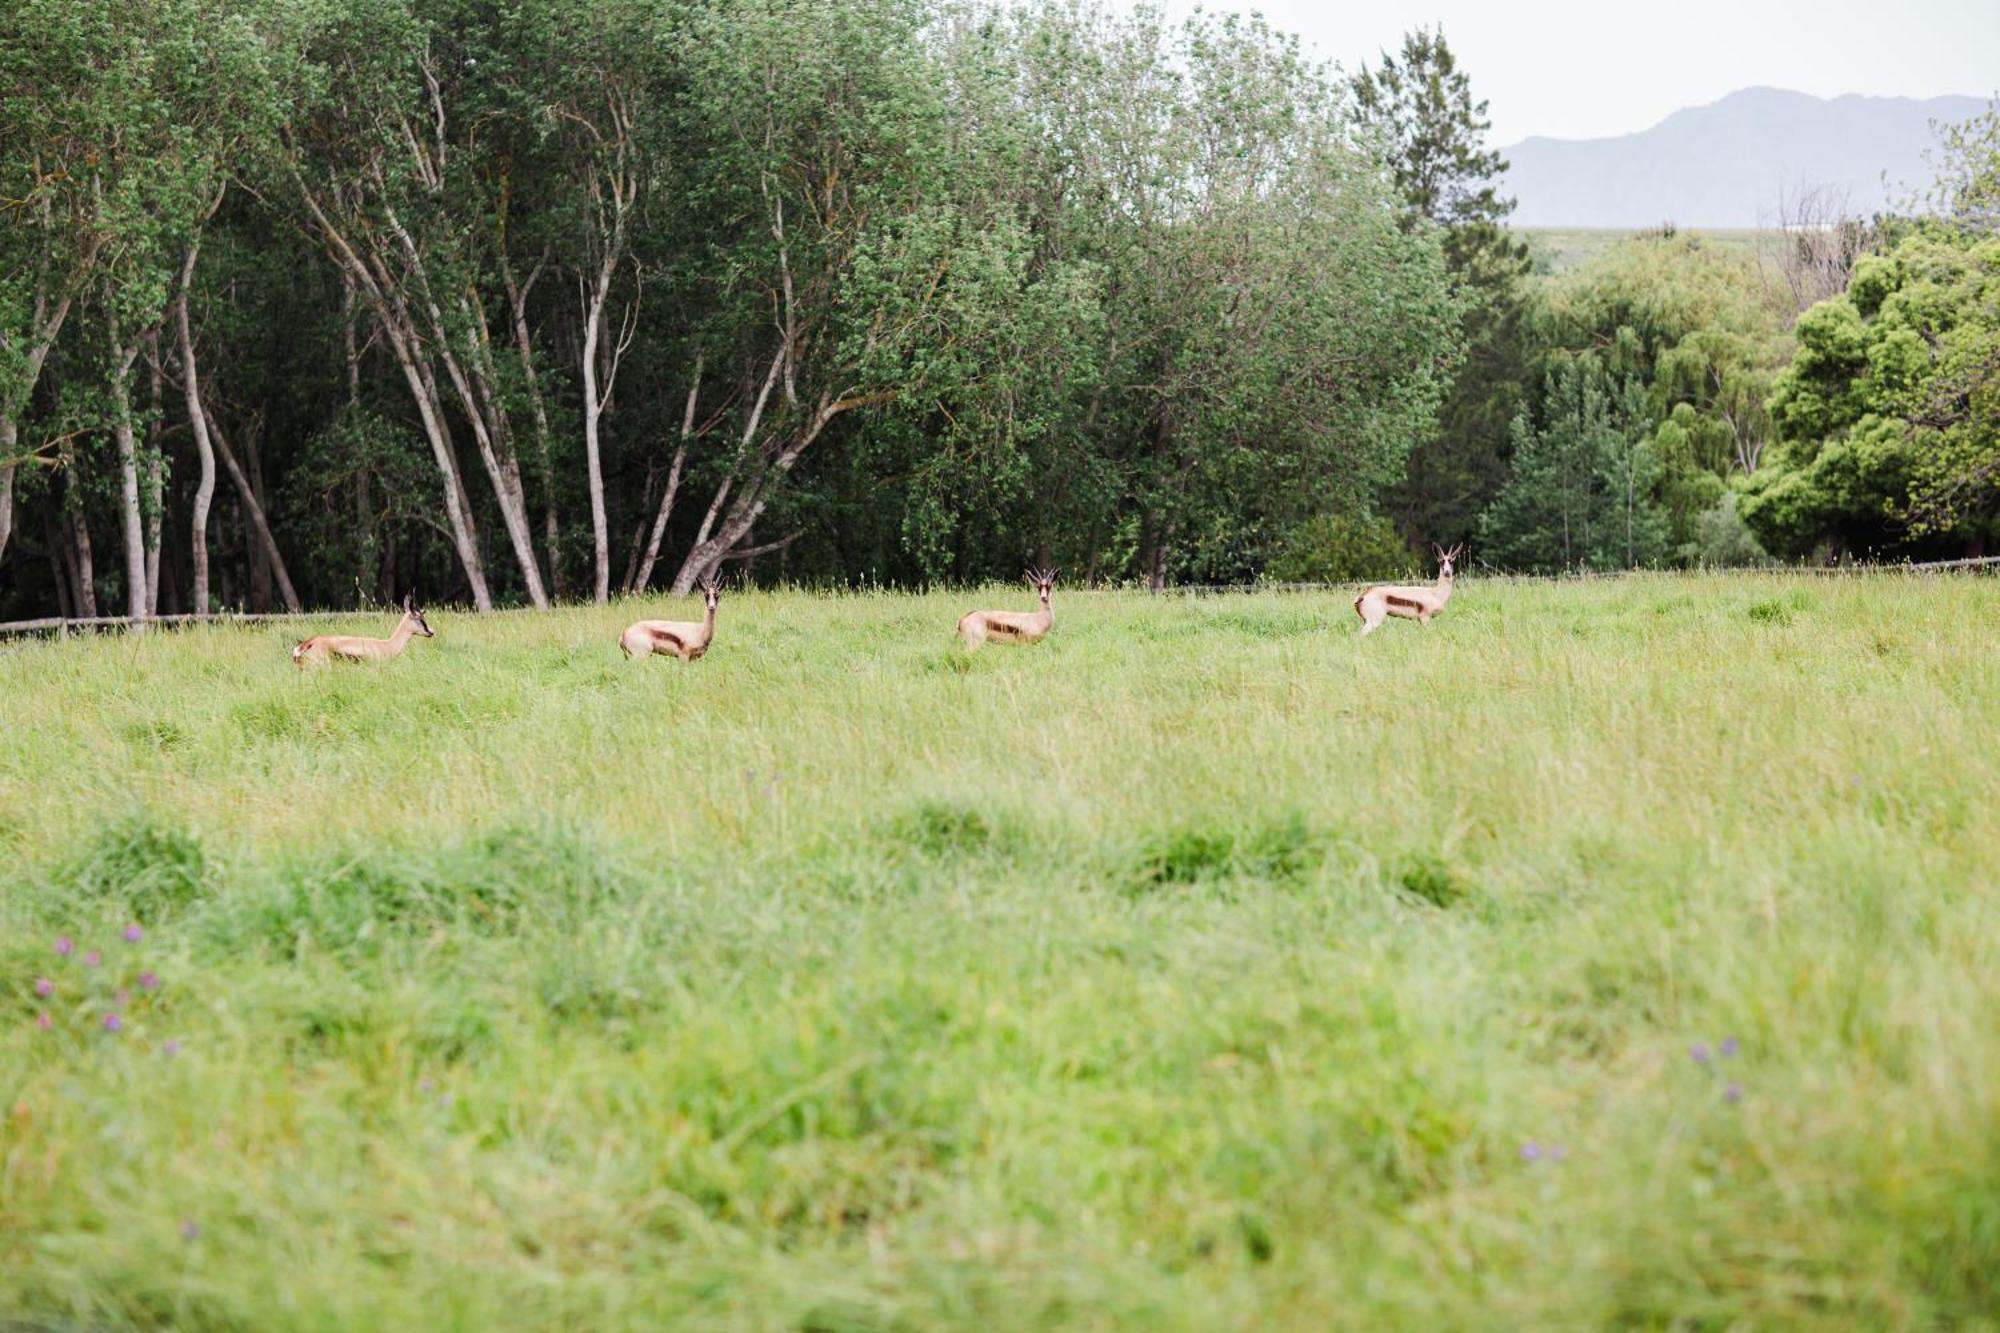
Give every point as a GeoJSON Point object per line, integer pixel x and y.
{"type": "Point", "coordinates": [1732, 162]}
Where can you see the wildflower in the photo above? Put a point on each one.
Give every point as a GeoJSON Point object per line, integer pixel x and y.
{"type": "Point", "coordinates": [1728, 1047]}
{"type": "Point", "coordinates": [91, 959]}
{"type": "Point", "coordinates": [147, 981]}
{"type": "Point", "coordinates": [44, 987]}
{"type": "Point", "coordinates": [189, 1230]}
{"type": "Point", "coordinates": [113, 1023]}
{"type": "Point", "coordinates": [133, 934]}
{"type": "Point", "coordinates": [1531, 1151]}
{"type": "Point", "coordinates": [1557, 1153]}
{"type": "Point", "coordinates": [1733, 1093]}
{"type": "Point", "coordinates": [1698, 1053]}
{"type": "Point", "coordinates": [63, 946]}
{"type": "Point", "coordinates": [170, 1048]}
{"type": "Point", "coordinates": [122, 998]}
{"type": "Point", "coordinates": [44, 1022]}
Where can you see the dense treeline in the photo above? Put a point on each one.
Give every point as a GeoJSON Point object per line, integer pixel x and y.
{"type": "Point", "coordinates": [307, 302]}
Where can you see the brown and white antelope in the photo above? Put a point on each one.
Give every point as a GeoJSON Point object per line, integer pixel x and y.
{"type": "Point", "coordinates": [976, 627]}
{"type": "Point", "coordinates": [1409, 601]}
{"type": "Point", "coordinates": [684, 639]}
{"type": "Point", "coordinates": [321, 649]}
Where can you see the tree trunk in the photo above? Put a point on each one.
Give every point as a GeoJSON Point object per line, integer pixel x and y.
{"type": "Point", "coordinates": [122, 357]}
{"type": "Point", "coordinates": [593, 409]}
{"type": "Point", "coordinates": [81, 568]}
{"type": "Point", "coordinates": [392, 316]}
{"type": "Point", "coordinates": [517, 298]}
{"type": "Point", "coordinates": [9, 442]}
{"type": "Point", "coordinates": [56, 538]}
{"type": "Point", "coordinates": [204, 491]}
{"type": "Point", "coordinates": [464, 538]}
{"type": "Point", "coordinates": [253, 513]}
{"type": "Point", "coordinates": [156, 499]}
{"type": "Point", "coordinates": [481, 403]}
{"type": "Point", "coordinates": [645, 574]}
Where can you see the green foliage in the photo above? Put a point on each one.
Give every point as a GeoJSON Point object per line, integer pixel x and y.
{"type": "Point", "coordinates": [1336, 547]}
{"type": "Point", "coordinates": [904, 289]}
{"type": "Point", "coordinates": [1889, 415]}
{"type": "Point", "coordinates": [1722, 540]}
{"type": "Point", "coordinates": [1432, 135]}
{"type": "Point", "coordinates": [1582, 494]}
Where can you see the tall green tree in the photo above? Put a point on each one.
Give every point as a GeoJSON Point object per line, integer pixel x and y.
{"type": "Point", "coordinates": [1432, 131]}
{"type": "Point", "coordinates": [1888, 417]}
{"type": "Point", "coordinates": [1582, 491]}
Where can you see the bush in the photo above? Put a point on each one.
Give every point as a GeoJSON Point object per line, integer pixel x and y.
{"type": "Point", "coordinates": [1339, 548]}
{"type": "Point", "coordinates": [1723, 541]}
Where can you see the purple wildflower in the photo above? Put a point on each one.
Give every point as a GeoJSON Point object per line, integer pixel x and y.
{"type": "Point", "coordinates": [170, 1047]}
{"type": "Point", "coordinates": [1530, 1151]}
{"type": "Point", "coordinates": [63, 946]}
{"type": "Point", "coordinates": [1728, 1046]}
{"type": "Point", "coordinates": [1733, 1093]}
{"type": "Point", "coordinates": [44, 1022]}
{"type": "Point", "coordinates": [122, 998]}
{"type": "Point", "coordinates": [133, 934]}
{"type": "Point", "coordinates": [147, 981]}
{"type": "Point", "coordinates": [113, 1023]}
{"type": "Point", "coordinates": [91, 959]}
{"type": "Point", "coordinates": [189, 1230]}
{"type": "Point", "coordinates": [1557, 1153]}
{"type": "Point", "coordinates": [44, 987]}
{"type": "Point", "coordinates": [1698, 1053]}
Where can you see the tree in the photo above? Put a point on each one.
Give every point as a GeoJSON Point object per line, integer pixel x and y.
{"type": "Point", "coordinates": [1889, 415]}
{"type": "Point", "coordinates": [929, 290]}
{"type": "Point", "coordinates": [1581, 495]}
{"type": "Point", "coordinates": [1432, 134]}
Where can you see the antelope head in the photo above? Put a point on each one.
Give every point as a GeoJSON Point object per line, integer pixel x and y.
{"type": "Point", "coordinates": [415, 615]}
{"type": "Point", "coordinates": [1044, 582]}
{"type": "Point", "coordinates": [711, 591]}
{"type": "Point", "coordinates": [1447, 559]}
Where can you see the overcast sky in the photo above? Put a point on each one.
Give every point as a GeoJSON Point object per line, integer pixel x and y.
{"type": "Point", "coordinates": [1581, 69]}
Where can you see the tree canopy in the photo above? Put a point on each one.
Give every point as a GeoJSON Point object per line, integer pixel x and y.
{"type": "Point", "coordinates": [536, 300]}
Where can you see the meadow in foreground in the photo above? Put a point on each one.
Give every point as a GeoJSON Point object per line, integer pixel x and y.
{"type": "Point", "coordinates": [1608, 954]}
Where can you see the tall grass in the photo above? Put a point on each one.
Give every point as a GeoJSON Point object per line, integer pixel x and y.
{"type": "Point", "coordinates": [1202, 966]}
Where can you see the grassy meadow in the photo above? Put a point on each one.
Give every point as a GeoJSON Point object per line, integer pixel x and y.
{"type": "Point", "coordinates": [1622, 953]}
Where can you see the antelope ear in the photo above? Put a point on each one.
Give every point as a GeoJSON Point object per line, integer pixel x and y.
{"type": "Point", "coordinates": [408, 604]}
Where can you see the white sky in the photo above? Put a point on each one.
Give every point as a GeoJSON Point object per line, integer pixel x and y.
{"type": "Point", "coordinates": [1582, 69]}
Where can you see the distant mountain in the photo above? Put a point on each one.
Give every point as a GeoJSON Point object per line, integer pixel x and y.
{"type": "Point", "coordinates": [1727, 164]}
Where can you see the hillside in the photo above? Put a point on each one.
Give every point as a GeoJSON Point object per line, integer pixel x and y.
{"type": "Point", "coordinates": [1728, 164]}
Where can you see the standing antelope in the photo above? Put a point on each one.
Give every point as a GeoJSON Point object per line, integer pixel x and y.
{"type": "Point", "coordinates": [976, 627]}
{"type": "Point", "coordinates": [1411, 602]}
{"type": "Point", "coordinates": [677, 638]}
{"type": "Point", "coordinates": [323, 648]}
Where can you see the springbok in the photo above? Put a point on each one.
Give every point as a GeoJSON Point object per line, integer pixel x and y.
{"type": "Point", "coordinates": [676, 638]}
{"type": "Point", "coordinates": [976, 627]}
{"type": "Point", "coordinates": [1411, 601]}
{"type": "Point", "coordinates": [323, 648]}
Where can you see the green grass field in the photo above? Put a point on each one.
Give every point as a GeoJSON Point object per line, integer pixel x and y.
{"type": "Point", "coordinates": [1201, 967]}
